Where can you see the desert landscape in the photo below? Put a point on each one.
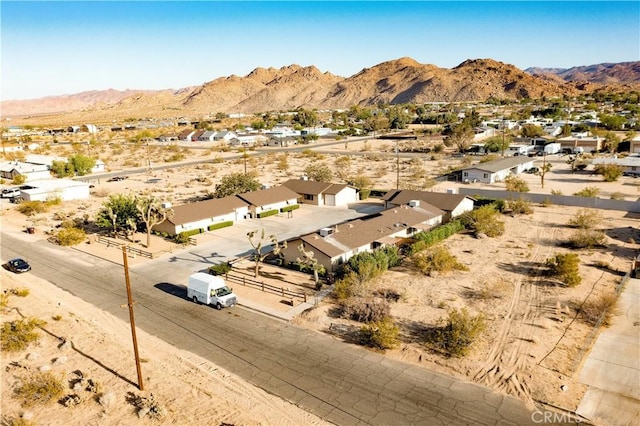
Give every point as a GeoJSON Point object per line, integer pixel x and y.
{"type": "Point", "coordinates": [531, 347]}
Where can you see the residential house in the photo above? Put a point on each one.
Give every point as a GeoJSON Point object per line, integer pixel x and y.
{"type": "Point", "coordinates": [47, 160]}
{"type": "Point", "coordinates": [498, 170]}
{"type": "Point", "coordinates": [196, 136]}
{"type": "Point", "coordinates": [282, 141]}
{"type": "Point", "coordinates": [208, 136]}
{"type": "Point", "coordinates": [186, 134]}
{"type": "Point", "coordinates": [332, 246]}
{"type": "Point", "coordinates": [168, 137]}
{"type": "Point", "coordinates": [480, 133]}
{"type": "Point", "coordinates": [587, 143]}
{"type": "Point", "coordinates": [45, 189]}
{"type": "Point", "coordinates": [10, 169]}
{"type": "Point", "coordinates": [634, 145]}
{"type": "Point", "coordinates": [630, 165]}
{"type": "Point", "coordinates": [269, 199]}
{"type": "Point", "coordinates": [322, 193]}
{"type": "Point", "coordinates": [202, 214]}
{"type": "Point", "coordinates": [453, 205]}
{"type": "Point", "coordinates": [225, 136]}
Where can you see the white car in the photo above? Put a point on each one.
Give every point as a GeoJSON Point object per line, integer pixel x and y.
{"type": "Point", "coordinates": [10, 193]}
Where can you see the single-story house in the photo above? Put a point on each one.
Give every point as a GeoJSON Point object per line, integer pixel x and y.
{"type": "Point", "coordinates": [322, 193]}
{"type": "Point", "coordinates": [208, 136]}
{"type": "Point", "coordinates": [11, 169]}
{"type": "Point", "coordinates": [452, 205]}
{"type": "Point", "coordinates": [333, 246]}
{"type": "Point", "coordinates": [186, 134]}
{"type": "Point", "coordinates": [282, 141]}
{"type": "Point", "coordinates": [44, 189]}
{"type": "Point", "coordinates": [634, 145]}
{"type": "Point", "coordinates": [497, 170]}
{"type": "Point", "coordinates": [203, 214]}
{"type": "Point", "coordinates": [168, 137]}
{"type": "Point", "coordinates": [269, 199]}
{"type": "Point", "coordinates": [196, 135]}
{"type": "Point", "coordinates": [587, 143]}
{"type": "Point", "coordinates": [630, 165]}
{"type": "Point", "coordinates": [47, 160]}
{"type": "Point", "coordinates": [225, 135]}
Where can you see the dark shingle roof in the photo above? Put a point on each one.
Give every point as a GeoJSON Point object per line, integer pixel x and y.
{"type": "Point", "coordinates": [307, 186]}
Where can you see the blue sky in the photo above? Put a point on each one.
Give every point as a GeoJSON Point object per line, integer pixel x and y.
{"type": "Point", "coordinates": [56, 48]}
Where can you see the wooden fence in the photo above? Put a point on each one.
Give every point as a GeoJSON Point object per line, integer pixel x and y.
{"type": "Point", "coordinates": [132, 250]}
{"type": "Point", "coordinates": [284, 292]}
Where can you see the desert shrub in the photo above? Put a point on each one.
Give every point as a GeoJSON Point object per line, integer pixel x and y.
{"type": "Point", "coordinates": [4, 300]}
{"type": "Point", "coordinates": [586, 219]}
{"type": "Point", "coordinates": [603, 308]}
{"type": "Point", "coordinates": [380, 335]}
{"type": "Point", "coordinates": [609, 172]}
{"type": "Point", "coordinates": [617, 196]}
{"type": "Point", "coordinates": [180, 238]}
{"type": "Point", "coordinates": [519, 206]}
{"type": "Point", "coordinates": [588, 192]}
{"type": "Point", "coordinates": [20, 292]}
{"type": "Point", "coordinates": [565, 267]}
{"type": "Point", "coordinates": [19, 179]}
{"type": "Point", "coordinates": [484, 220]}
{"type": "Point", "coordinates": [437, 259]}
{"type": "Point", "coordinates": [70, 236]}
{"type": "Point", "coordinates": [17, 335]}
{"type": "Point", "coordinates": [40, 388]}
{"type": "Point", "coordinates": [516, 184]}
{"type": "Point", "coordinates": [556, 192]}
{"type": "Point", "coordinates": [364, 193]}
{"type": "Point", "coordinates": [350, 285]}
{"type": "Point", "coordinates": [220, 269]}
{"type": "Point", "coordinates": [458, 333]}
{"type": "Point", "coordinates": [20, 421]}
{"type": "Point", "coordinates": [388, 294]}
{"type": "Point", "coordinates": [587, 238]}
{"type": "Point", "coordinates": [546, 202]}
{"type": "Point", "coordinates": [427, 239]}
{"type": "Point", "coordinates": [29, 208]}
{"type": "Point", "coordinates": [365, 309]}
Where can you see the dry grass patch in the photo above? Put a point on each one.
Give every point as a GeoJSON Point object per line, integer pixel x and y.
{"type": "Point", "coordinates": [40, 388]}
{"type": "Point", "coordinates": [600, 309]}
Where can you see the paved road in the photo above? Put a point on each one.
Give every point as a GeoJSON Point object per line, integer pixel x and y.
{"type": "Point", "coordinates": [342, 383]}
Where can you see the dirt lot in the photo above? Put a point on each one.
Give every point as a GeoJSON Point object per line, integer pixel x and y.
{"type": "Point", "coordinates": [533, 335]}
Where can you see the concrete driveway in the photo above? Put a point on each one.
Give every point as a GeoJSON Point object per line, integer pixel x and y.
{"type": "Point", "coordinates": [612, 369]}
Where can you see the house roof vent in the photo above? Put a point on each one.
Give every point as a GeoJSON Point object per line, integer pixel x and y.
{"type": "Point", "coordinates": [414, 203]}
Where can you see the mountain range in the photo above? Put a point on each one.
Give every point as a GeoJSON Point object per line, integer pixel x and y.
{"type": "Point", "coordinates": [402, 80]}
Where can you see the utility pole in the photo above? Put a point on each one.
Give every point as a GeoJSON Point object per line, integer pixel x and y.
{"type": "Point", "coordinates": [148, 161]}
{"type": "Point", "coordinates": [131, 319]}
{"type": "Point", "coordinates": [244, 155]}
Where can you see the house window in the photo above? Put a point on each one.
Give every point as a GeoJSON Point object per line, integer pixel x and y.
{"type": "Point", "coordinates": [486, 175]}
{"type": "Point", "coordinates": [308, 197]}
{"type": "Point", "coordinates": [465, 174]}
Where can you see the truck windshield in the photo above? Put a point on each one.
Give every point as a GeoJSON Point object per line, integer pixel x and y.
{"type": "Point", "coordinates": [223, 291]}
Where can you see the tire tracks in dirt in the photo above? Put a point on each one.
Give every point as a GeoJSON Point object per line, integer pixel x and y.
{"type": "Point", "coordinates": [508, 363]}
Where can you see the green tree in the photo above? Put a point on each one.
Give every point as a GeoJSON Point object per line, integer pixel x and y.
{"type": "Point", "coordinates": [531, 131]}
{"type": "Point", "coordinates": [611, 142]}
{"type": "Point", "coordinates": [484, 220]}
{"type": "Point", "coordinates": [497, 143]}
{"type": "Point", "coordinates": [236, 183]}
{"type": "Point", "coordinates": [318, 172]}
{"type": "Point", "coordinates": [609, 172]}
{"type": "Point", "coordinates": [81, 164]}
{"type": "Point", "coordinates": [459, 332]}
{"type": "Point", "coordinates": [152, 212]}
{"type": "Point", "coordinates": [306, 118]}
{"type": "Point", "coordinates": [460, 137]}
{"type": "Point", "coordinates": [119, 212]}
{"type": "Point", "coordinates": [62, 168]}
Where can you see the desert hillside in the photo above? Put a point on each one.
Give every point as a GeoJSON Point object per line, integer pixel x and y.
{"type": "Point", "coordinates": [397, 81]}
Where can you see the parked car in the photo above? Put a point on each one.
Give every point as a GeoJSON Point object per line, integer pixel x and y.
{"type": "Point", "coordinates": [117, 178]}
{"type": "Point", "coordinates": [18, 266]}
{"type": "Point", "coordinates": [10, 193]}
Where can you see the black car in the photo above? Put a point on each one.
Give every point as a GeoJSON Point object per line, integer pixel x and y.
{"type": "Point", "coordinates": [18, 266]}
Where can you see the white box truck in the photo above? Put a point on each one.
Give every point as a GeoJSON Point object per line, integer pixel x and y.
{"type": "Point", "coordinates": [210, 290]}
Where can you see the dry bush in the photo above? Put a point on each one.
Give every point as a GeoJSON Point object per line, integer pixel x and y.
{"type": "Point", "coordinates": [589, 192]}
{"type": "Point", "coordinates": [458, 333]}
{"type": "Point", "coordinates": [603, 306]}
{"type": "Point", "coordinates": [29, 208]}
{"type": "Point", "coordinates": [586, 219]}
{"type": "Point", "coordinates": [519, 206]}
{"type": "Point", "coordinates": [40, 388]}
{"type": "Point", "coordinates": [617, 196]}
{"type": "Point", "coordinates": [565, 267]}
{"type": "Point", "coordinates": [587, 238]}
{"type": "Point", "coordinates": [437, 259]}
{"type": "Point", "coordinates": [17, 335]}
{"type": "Point", "coordinates": [20, 421]}
{"type": "Point", "coordinates": [388, 294]}
{"type": "Point", "coordinates": [365, 309]}
{"type": "Point", "coordinates": [484, 220]}
{"type": "Point", "coordinates": [70, 236]}
{"type": "Point", "coordinates": [516, 184]}
{"type": "Point", "coordinates": [380, 335]}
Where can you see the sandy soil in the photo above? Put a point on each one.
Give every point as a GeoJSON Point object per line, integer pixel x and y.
{"type": "Point", "coordinates": [533, 335]}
